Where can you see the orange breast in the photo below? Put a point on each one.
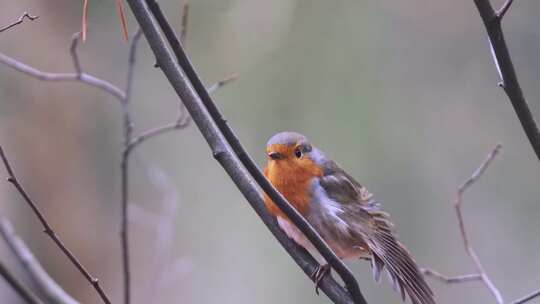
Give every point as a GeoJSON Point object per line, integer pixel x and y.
{"type": "Point", "coordinates": [293, 182]}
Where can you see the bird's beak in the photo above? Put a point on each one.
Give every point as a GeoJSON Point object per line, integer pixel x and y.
{"type": "Point", "coordinates": [274, 155]}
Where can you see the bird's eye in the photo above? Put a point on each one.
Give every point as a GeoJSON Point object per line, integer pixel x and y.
{"type": "Point", "coordinates": [274, 155]}
{"type": "Point", "coordinates": [298, 152]}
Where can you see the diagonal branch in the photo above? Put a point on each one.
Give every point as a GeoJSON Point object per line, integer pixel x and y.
{"type": "Point", "coordinates": [48, 287]}
{"type": "Point", "coordinates": [503, 62]}
{"type": "Point", "coordinates": [213, 127]}
{"type": "Point", "coordinates": [504, 9]}
{"type": "Point", "coordinates": [50, 232]}
{"type": "Point", "coordinates": [528, 297]}
{"type": "Point", "coordinates": [19, 21]}
{"type": "Point", "coordinates": [23, 291]}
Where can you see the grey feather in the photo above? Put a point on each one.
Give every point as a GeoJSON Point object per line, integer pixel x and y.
{"type": "Point", "coordinates": [372, 227]}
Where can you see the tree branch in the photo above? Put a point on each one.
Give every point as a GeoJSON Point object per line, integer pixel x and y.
{"type": "Point", "coordinates": [50, 289]}
{"type": "Point", "coordinates": [458, 203]}
{"type": "Point", "coordinates": [503, 62]}
{"type": "Point", "coordinates": [18, 286]}
{"type": "Point", "coordinates": [227, 157]}
{"type": "Point", "coordinates": [19, 21]}
{"type": "Point", "coordinates": [528, 297]}
{"type": "Point", "coordinates": [451, 280]}
{"type": "Point", "coordinates": [218, 85]}
{"type": "Point", "coordinates": [185, 15]}
{"type": "Point", "coordinates": [481, 275]}
{"type": "Point", "coordinates": [50, 232]}
{"type": "Point", "coordinates": [128, 131]}
{"type": "Point", "coordinates": [83, 77]}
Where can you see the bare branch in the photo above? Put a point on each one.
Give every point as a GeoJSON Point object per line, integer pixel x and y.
{"type": "Point", "coordinates": [74, 55]}
{"type": "Point", "coordinates": [19, 21]}
{"type": "Point", "coordinates": [469, 182]}
{"type": "Point", "coordinates": [18, 286]}
{"type": "Point", "coordinates": [509, 82]}
{"type": "Point", "coordinates": [84, 25]}
{"type": "Point", "coordinates": [528, 297]}
{"type": "Point", "coordinates": [50, 232]}
{"type": "Point", "coordinates": [218, 85]}
{"type": "Point", "coordinates": [121, 15]}
{"type": "Point", "coordinates": [178, 125]}
{"type": "Point", "coordinates": [451, 280]}
{"type": "Point", "coordinates": [128, 131]}
{"type": "Point", "coordinates": [458, 203]}
{"type": "Point", "coordinates": [185, 15]}
{"type": "Point", "coordinates": [504, 9]}
{"type": "Point", "coordinates": [52, 291]}
{"type": "Point", "coordinates": [128, 125]}
{"type": "Point", "coordinates": [83, 77]}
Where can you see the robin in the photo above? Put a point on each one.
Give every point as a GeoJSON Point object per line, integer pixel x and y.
{"type": "Point", "coordinates": [342, 211]}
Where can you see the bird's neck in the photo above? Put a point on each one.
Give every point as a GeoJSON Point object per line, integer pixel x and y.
{"type": "Point", "coordinates": [294, 183]}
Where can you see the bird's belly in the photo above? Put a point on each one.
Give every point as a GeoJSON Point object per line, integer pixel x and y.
{"type": "Point", "coordinates": [343, 249]}
{"type": "Point", "coordinates": [295, 234]}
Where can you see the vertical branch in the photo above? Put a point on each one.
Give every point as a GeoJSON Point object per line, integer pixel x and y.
{"type": "Point", "coordinates": [75, 55]}
{"type": "Point", "coordinates": [509, 81]}
{"type": "Point", "coordinates": [121, 15]}
{"type": "Point", "coordinates": [84, 25]}
{"type": "Point", "coordinates": [124, 168]}
{"type": "Point", "coordinates": [185, 15]}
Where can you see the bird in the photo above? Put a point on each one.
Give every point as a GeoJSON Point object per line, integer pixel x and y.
{"type": "Point", "coordinates": [342, 211]}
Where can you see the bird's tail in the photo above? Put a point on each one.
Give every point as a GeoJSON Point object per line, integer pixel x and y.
{"type": "Point", "coordinates": [388, 252]}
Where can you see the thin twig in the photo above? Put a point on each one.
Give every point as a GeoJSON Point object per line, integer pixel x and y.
{"type": "Point", "coordinates": [185, 16]}
{"type": "Point", "coordinates": [457, 204]}
{"type": "Point", "coordinates": [469, 182]}
{"type": "Point", "coordinates": [124, 167]}
{"type": "Point", "coordinates": [181, 122]}
{"type": "Point", "coordinates": [504, 9]}
{"type": "Point", "coordinates": [19, 21]}
{"type": "Point", "coordinates": [528, 297]}
{"type": "Point", "coordinates": [84, 25]}
{"type": "Point", "coordinates": [74, 55]}
{"type": "Point", "coordinates": [509, 82]}
{"type": "Point", "coordinates": [216, 86]}
{"type": "Point", "coordinates": [48, 287]}
{"type": "Point", "coordinates": [83, 77]}
{"type": "Point", "coordinates": [451, 280]}
{"type": "Point", "coordinates": [121, 15]}
{"type": "Point", "coordinates": [50, 232]}
{"type": "Point", "coordinates": [144, 136]}
{"type": "Point", "coordinates": [23, 291]}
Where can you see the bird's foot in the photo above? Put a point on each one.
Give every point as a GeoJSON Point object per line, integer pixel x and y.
{"type": "Point", "coordinates": [319, 274]}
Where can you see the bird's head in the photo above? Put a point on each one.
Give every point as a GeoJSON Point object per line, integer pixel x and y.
{"type": "Point", "coordinates": [292, 153]}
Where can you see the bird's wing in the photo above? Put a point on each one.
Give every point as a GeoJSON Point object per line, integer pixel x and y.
{"type": "Point", "coordinates": [367, 220]}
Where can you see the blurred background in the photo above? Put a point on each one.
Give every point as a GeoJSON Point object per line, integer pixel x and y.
{"type": "Point", "coordinates": [403, 94]}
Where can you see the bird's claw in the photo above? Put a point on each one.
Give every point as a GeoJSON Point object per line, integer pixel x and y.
{"type": "Point", "coordinates": [319, 274]}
